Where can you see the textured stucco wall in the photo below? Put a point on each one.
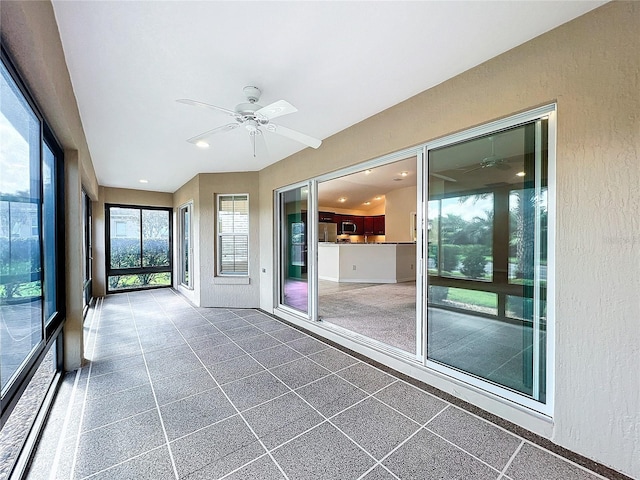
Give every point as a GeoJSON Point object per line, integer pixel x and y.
{"type": "Point", "coordinates": [590, 68]}
{"type": "Point", "coordinates": [216, 291]}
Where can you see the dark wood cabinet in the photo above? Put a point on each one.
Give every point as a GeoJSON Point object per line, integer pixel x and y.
{"type": "Point", "coordinates": [359, 221]}
{"type": "Point", "coordinates": [368, 225]}
{"type": "Point", "coordinates": [378, 225]}
{"type": "Point", "coordinates": [326, 217]}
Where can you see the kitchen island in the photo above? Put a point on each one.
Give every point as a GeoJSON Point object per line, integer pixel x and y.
{"type": "Point", "coordinates": [367, 262]}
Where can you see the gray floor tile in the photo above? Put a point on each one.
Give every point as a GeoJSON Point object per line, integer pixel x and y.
{"type": "Point", "coordinates": [170, 389]}
{"type": "Point", "coordinates": [172, 364]}
{"type": "Point", "coordinates": [299, 372]}
{"type": "Point", "coordinates": [107, 446]}
{"type": "Point", "coordinates": [244, 312]}
{"type": "Point", "coordinates": [235, 369]}
{"type": "Point", "coordinates": [533, 463]}
{"type": "Point", "coordinates": [331, 395]}
{"type": "Point", "coordinates": [193, 413]}
{"type": "Point", "coordinates": [210, 341]}
{"type": "Point", "coordinates": [198, 331]}
{"type": "Point", "coordinates": [379, 473]}
{"type": "Point", "coordinates": [426, 456]}
{"type": "Point", "coordinates": [215, 451]}
{"type": "Point", "coordinates": [375, 427]}
{"type": "Point", "coordinates": [153, 465]}
{"type": "Point", "coordinates": [251, 391]}
{"type": "Point", "coordinates": [307, 345]}
{"type": "Point", "coordinates": [366, 377]}
{"type": "Point", "coordinates": [108, 365]}
{"type": "Point", "coordinates": [288, 334]}
{"type": "Point", "coordinates": [242, 333]}
{"type": "Point", "coordinates": [480, 438]}
{"type": "Point", "coordinates": [224, 324]}
{"type": "Point", "coordinates": [263, 469]}
{"type": "Point", "coordinates": [411, 401]}
{"type": "Point", "coordinates": [114, 382]}
{"type": "Point", "coordinates": [333, 359]}
{"type": "Point", "coordinates": [219, 353]}
{"type": "Point", "coordinates": [281, 419]}
{"type": "Point", "coordinates": [270, 325]}
{"type": "Point", "coordinates": [114, 350]}
{"type": "Point", "coordinates": [323, 452]}
{"type": "Point", "coordinates": [257, 343]}
{"type": "Point", "coordinates": [117, 406]}
{"type": "Point", "coordinates": [272, 357]}
{"type": "Point", "coordinates": [256, 318]}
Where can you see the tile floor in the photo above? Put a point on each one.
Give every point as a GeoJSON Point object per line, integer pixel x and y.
{"type": "Point", "coordinates": [177, 392]}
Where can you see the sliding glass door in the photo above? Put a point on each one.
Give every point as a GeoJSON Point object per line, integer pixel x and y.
{"type": "Point", "coordinates": [487, 257]}
{"type": "Point", "coordinates": [292, 217]}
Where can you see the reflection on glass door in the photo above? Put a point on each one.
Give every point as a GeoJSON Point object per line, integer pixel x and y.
{"type": "Point", "coordinates": [294, 286]}
{"type": "Point", "coordinates": [487, 257]}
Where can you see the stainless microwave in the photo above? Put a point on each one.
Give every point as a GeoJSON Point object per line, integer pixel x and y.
{"type": "Point", "coordinates": [349, 227]}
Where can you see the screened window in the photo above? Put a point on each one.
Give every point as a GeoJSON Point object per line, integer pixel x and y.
{"type": "Point", "coordinates": [233, 234]}
{"type": "Point", "coordinates": [139, 247]}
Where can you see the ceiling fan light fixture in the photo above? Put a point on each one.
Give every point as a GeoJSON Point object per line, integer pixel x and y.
{"type": "Point", "coordinates": [202, 144]}
{"type": "Point", "coordinates": [520, 174]}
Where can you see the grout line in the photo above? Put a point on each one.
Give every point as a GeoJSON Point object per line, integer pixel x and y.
{"type": "Point", "coordinates": [123, 462]}
{"type": "Point", "coordinates": [503, 473]}
{"type": "Point", "coordinates": [227, 397]}
{"type": "Point", "coordinates": [564, 459]}
{"type": "Point", "coordinates": [461, 449]}
{"type": "Point", "coordinates": [153, 391]}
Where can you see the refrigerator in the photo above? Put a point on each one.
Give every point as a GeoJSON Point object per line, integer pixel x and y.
{"type": "Point", "coordinates": [327, 232]}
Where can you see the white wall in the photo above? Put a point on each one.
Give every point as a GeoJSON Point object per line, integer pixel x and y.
{"type": "Point", "coordinates": [400, 203]}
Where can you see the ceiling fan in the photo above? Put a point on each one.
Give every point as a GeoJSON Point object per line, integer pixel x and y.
{"type": "Point", "coordinates": [491, 161]}
{"type": "Point", "coordinates": [255, 118]}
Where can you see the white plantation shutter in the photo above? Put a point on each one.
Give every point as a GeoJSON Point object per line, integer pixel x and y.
{"type": "Point", "coordinates": [233, 234]}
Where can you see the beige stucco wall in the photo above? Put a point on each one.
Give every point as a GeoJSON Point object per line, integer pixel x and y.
{"type": "Point", "coordinates": [217, 291]}
{"type": "Point", "coordinates": [121, 196]}
{"type": "Point", "coordinates": [590, 68]}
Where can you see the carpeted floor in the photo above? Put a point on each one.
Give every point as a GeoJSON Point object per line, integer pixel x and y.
{"type": "Point", "coordinates": [383, 312]}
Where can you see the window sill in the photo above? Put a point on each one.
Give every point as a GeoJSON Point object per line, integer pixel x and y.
{"type": "Point", "coordinates": [231, 280]}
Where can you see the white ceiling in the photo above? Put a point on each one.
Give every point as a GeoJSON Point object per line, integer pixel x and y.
{"type": "Point", "coordinates": [337, 62]}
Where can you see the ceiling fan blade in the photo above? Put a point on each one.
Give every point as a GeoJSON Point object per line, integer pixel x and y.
{"type": "Point", "coordinates": [276, 109]}
{"type": "Point", "coordinates": [223, 128]}
{"type": "Point", "coordinates": [194, 103]}
{"type": "Point", "coordinates": [294, 135]}
{"type": "Point", "coordinates": [443, 177]}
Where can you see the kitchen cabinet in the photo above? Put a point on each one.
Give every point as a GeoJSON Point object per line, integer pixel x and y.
{"type": "Point", "coordinates": [326, 217]}
{"type": "Point", "coordinates": [359, 221]}
{"type": "Point", "coordinates": [378, 225]}
{"type": "Point", "coordinates": [368, 225]}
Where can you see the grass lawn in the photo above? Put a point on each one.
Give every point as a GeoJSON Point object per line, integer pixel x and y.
{"type": "Point", "coordinates": [473, 297]}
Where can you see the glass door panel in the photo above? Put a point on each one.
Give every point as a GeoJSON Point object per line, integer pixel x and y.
{"type": "Point", "coordinates": [294, 285]}
{"type": "Point", "coordinates": [486, 257]}
{"type": "Point", "coordinates": [367, 274]}
{"type": "Point", "coordinates": [185, 245]}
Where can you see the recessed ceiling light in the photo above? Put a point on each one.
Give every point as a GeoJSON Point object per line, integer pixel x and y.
{"type": "Point", "coordinates": [367, 172]}
{"type": "Point", "coordinates": [404, 174]}
{"type": "Point", "coordinates": [142, 180]}
{"type": "Point", "coordinates": [367, 203]}
{"type": "Point", "coordinates": [342, 199]}
{"type": "Point", "coordinates": [378, 198]}
{"type": "Point", "coordinates": [520, 174]}
{"type": "Point", "coordinates": [202, 144]}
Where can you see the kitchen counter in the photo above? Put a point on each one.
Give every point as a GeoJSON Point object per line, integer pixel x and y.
{"type": "Point", "coordinates": [367, 262]}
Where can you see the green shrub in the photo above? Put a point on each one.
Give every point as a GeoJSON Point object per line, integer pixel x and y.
{"type": "Point", "coordinates": [450, 257]}
{"type": "Point", "coordinates": [474, 262]}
